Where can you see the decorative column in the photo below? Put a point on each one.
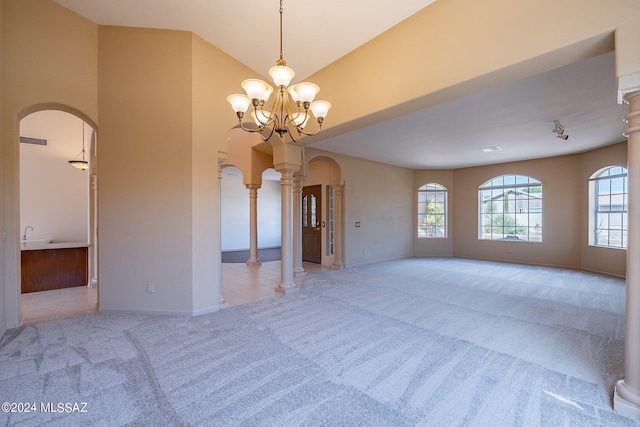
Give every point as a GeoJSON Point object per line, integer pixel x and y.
{"type": "Point", "coordinates": [287, 285]}
{"type": "Point", "coordinates": [253, 225]}
{"type": "Point", "coordinates": [338, 226]}
{"type": "Point", "coordinates": [94, 230]}
{"type": "Point", "coordinates": [626, 399]}
{"type": "Point", "coordinates": [221, 302]}
{"type": "Point", "coordinates": [298, 271]}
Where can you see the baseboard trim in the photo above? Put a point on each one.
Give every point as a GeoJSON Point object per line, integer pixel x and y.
{"type": "Point", "coordinates": [624, 406]}
{"type": "Point", "coordinates": [144, 312]}
{"type": "Point", "coordinates": [566, 267]}
{"type": "Point", "coordinates": [159, 312]}
{"type": "Point", "coordinates": [206, 310]}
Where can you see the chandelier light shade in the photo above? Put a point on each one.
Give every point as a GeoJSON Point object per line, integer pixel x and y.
{"type": "Point", "coordinates": [81, 163]}
{"type": "Point", "coordinates": [291, 108]}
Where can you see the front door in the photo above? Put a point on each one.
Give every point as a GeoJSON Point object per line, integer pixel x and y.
{"type": "Point", "coordinates": [311, 221]}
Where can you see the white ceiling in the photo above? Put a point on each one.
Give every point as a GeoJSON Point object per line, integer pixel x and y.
{"type": "Point", "coordinates": [517, 117]}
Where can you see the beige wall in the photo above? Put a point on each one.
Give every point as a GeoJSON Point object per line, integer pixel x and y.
{"type": "Point", "coordinates": [164, 119]}
{"type": "Point", "coordinates": [606, 260]}
{"type": "Point", "coordinates": [565, 181]}
{"type": "Point", "coordinates": [560, 246]}
{"type": "Point", "coordinates": [145, 198]}
{"type": "Point", "coordinates": [467, 46]}
{"type": "Point", "coordinates": [433, 247]}
{"type": "Point", "coordinates": [50, 62]}
{"type": "Point", "coordinates": [214, 76]}
{"type": "Point", "coordinates": [380, 197]}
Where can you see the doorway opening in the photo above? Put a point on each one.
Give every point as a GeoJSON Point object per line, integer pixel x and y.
{"type": "Point", "coordinates": [323, 213]}
{"type": "Point", "coordinates": [312, 223]}
{"type": "Point", "coordinates": [58, 217]}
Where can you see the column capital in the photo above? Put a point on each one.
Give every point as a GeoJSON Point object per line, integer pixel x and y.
{"type": "Point", "coordinates": [286, 177]}
{"type": "Point", "coordinates": [633, 117]}
{"type": "Point", "coordinates": [287, 157]}
{"type": "Point", "coordinates": [628, 84]}
{"type": "Point", "coordinates": [220, 165]}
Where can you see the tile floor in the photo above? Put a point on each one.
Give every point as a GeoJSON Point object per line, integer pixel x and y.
{"type": "Point", "coordinates": [50, 305]}
{"type": "Point", "coordinates": [241, 284]}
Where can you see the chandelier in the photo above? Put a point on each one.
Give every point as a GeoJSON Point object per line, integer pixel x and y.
{"type": "Point", "coordinates": [82, 164]}
{"type": "Point", "coordinates": [281, 117]}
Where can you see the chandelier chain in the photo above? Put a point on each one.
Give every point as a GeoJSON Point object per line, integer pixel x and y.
{"type": "Point", "coordinates": [291, 108]}
{"type": "Point", "coordinates": [281, 61]}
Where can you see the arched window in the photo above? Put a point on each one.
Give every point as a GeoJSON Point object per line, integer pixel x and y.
{"type": "Point", "coordinates": [432, 211]}
{"type": "Point", "coordinates": [510, 208]}
{"type": "Point", "coordinates": [608, 201]}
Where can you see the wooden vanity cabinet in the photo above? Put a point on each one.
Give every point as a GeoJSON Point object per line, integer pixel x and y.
{"type": "Point", "coordinates": [48, 269]}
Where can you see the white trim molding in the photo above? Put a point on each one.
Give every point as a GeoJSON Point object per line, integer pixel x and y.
{"type": "Point", "coordinates": [627, 84]}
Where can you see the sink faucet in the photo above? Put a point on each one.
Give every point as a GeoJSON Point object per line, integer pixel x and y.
{"type": "Point", "coordinates": [25, 231]}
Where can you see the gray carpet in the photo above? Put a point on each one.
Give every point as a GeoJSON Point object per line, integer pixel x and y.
{"type": "Point", "coordinates": [426, 342]}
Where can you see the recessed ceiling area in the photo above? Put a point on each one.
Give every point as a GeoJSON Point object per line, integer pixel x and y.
{"type": "Point", "coordinates": [518, 117]}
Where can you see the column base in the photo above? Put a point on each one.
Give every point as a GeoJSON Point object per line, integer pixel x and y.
{"type": "Point", "coordinates": [287, 290]}
{"type": "Point", "coordinates": [300, 273]}
{"type": "Point", "coordinates": [622, 404]}
{"type": "Point", "coordinates": [337, 266]}
{"type": "Point", "coordinates": [253, 263]}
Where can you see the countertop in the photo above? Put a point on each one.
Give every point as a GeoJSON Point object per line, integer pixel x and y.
{"type": "Point", "coordinates": [39, 246]}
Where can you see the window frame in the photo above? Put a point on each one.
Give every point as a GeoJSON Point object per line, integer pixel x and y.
{"type": "Point", "coordinates": [595, 182]}
{"type": "Point", "coordinates": [441, 198]}
{"type": "Point", "coordinates": [509, 217]}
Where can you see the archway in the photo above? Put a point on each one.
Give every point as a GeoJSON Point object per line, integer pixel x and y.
{"type": "Point", "coordinates": [323, 174]}
{"type": "Point", "coordinates": [56, 214]}
{"type": "Point", "coordinates": [243, 280]}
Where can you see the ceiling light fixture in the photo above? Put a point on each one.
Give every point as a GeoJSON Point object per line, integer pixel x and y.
{"type": "Point", "coordinates": [280, 118]}
{"type": "Point", "coordinates": [78, 163]}
{"type": "Point", "coordinates": [559, 131]}
{"type": "Point", "coordinates": [491, 149]}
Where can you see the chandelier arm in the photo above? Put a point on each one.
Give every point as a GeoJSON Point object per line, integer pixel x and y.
{"type": "Point", "coordinates": [291, 134]}
{"type": "Point", "coordinates": [249, 129]}
{"type": "Point", "coordinates": [262, 124]}
{"type": "Point", "coordinates": [287, 111]}
{"type": "Point", "coordinates": [270, 134]}
{"type": "Point", "coordinates": [309, 134]}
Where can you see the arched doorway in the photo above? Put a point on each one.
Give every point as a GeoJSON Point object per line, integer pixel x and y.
{"type": "Point", "coordinates": [57, 215]}
{"type": "Point", "coordinates": [323, 213]}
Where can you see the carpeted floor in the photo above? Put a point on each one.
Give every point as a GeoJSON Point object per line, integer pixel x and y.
{"type": "Point", "coordinates": [426, 342]}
